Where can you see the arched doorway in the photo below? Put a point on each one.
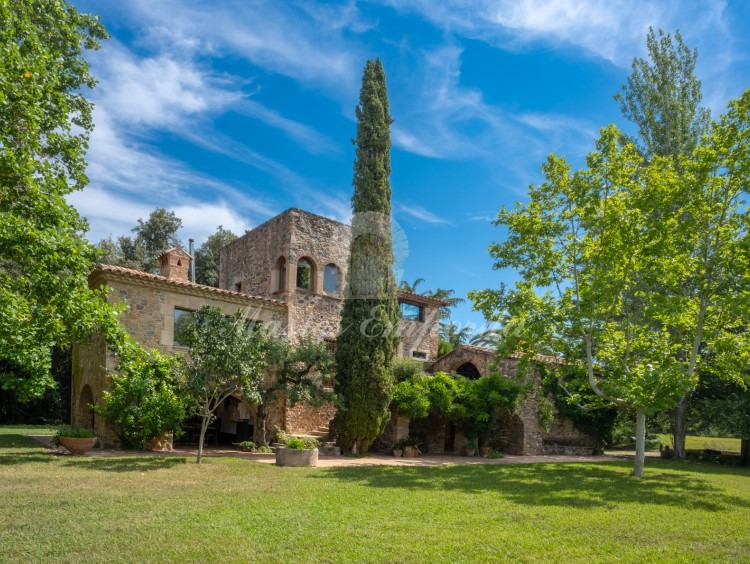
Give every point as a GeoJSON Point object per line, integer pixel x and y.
{"type": "Point", "coordinates": [509, 435]}
{"type": "Point", "coordinates": [468, 370]}
{"type": "Point", "coordinates": [85, 414]}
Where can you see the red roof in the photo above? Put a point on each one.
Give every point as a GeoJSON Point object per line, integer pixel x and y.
{"type": "Point", "coordinates": [139, 274]}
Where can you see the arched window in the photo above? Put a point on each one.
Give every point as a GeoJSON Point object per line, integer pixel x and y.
{"type": "Point", "coordinates": [331, 277]}
{"type": "Point", "coordinates": [280, 274]}
{"type": "Point", "coordinates": [304, 274]}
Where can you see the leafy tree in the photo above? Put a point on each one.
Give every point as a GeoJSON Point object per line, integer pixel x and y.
{"type": "Point", "coordinates": [635, 293]}
{"type": "Point", "coordinates": [45, 122]}
{"type": "Point", "coordinates": [447, 296]}
{"type": "Point", "coordinates": [146, 398]}
{"type": "Point", "coordinates": [225, 358]}
{"type": "Point", "coordinates": [662, 97]}
{"type": "Point", "coordinates": [722, 407]}
{"type": "Point", "coordinates": [368, 338]}
{"type": "Point", "coordinates": [207, 257]}
{"type": "Point", "coordinates": [473, 404]}
{"type": "Point", "coordinates": [152, 237]}
{"type": "Point", "coordinates": [296, 373]}
{"type": "Point", "coordinates": [411, 288]}
{"type": "Point", "coordinates": [455, 336]}
{"type": "Point", "coordinates": [479, 402]}
{"type": "Point", "coordinates": [405, 368]}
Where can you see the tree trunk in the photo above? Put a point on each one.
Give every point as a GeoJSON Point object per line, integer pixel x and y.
{"type": "Point", "coordinates": [262, 416]}
{"type": "Point", "coordinates": [640, 443]}
{"type": "Point", "coordinates": [679, 426]}
{"type": "Point", "coordinates": [204, 426]}
{"type": "Point", "coordinates": [745, 452]}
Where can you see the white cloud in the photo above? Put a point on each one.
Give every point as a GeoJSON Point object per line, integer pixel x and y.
{"type": "Point", "coordinates": [614, 30]}
{"type": "Point", "coordinates": [113, 214]}
{"type": "Point", "coordinates": [422, 214]}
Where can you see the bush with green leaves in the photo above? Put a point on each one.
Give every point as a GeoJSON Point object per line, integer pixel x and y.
{"type": "Point", "coordinates": [70, 432]}
{"type": "Point", "coordinates": [146, 399]}
{"type": "Point", "coordinates": [295, 442]}
{"type": "Point", "coordinates": [406, 368]}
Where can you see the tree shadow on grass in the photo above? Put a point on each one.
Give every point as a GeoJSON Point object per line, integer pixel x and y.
{"type": "Point", "coordinates": [572, 485]}
{"type": "Point", "coordinates": [123, 464]}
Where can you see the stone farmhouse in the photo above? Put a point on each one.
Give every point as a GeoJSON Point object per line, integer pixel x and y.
{"type": "Point", "coordinates": [288, 274]}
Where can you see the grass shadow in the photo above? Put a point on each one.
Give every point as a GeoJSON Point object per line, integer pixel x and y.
{"type": "Point", "coordinates": [123, 463]}
{"type": "Point", "coordinates": [573, 485]}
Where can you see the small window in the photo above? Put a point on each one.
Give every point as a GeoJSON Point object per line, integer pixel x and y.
{"type": "Point", "coordinates": [304, 274]}
{"type": "Point", "coordinates": [412, 312]}
{"type": "Point", "coordinates": [419, 355]}
{"type": "Point", "coordinates": [238, 287]}
{"type": "Point", "coordinates": [331, 275]}
{"type": "Point", "coordinates": [183, 320]}
{"type": "Point", "coordinates": [281, 273]}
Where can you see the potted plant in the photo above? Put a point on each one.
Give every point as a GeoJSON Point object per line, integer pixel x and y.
{"type": "Point", "coordinates": [398, 448]}
{"type": "Point", "coordinates": [296, 451]}
{"type": "Point", "coordinates": [484, 451]}
{"type": "Point", "coordinates": [77, 441]}
{"type": "Point", "coordinates": [470, 447]}
{"type": "Point", "coordinates": [411, 447]}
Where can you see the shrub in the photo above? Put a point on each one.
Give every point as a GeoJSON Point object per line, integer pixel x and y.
{"type": "Point", "coordinates": [67, 431]}
{"type": "Point", "coordinates": [146, 398]}
{"type": "Point", "coordinates": [299, 443]}
{"type": "Point", "coordinates": [406, 368]}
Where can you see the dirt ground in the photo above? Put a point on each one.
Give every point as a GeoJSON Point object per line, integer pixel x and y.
{"type": "Point", "coordinates": [333, 461]}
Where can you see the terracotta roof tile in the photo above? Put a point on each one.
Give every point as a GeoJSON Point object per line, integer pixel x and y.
{"type": "Point", "coordinates": [139, 274]}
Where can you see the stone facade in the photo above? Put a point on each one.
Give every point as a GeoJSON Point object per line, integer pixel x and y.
{"type": "Point", "coordinates": [149, 318]}
{"type": "Point", "coordinates": [289, 273]}
{"type": "Point", "coordinates": [518, 433]}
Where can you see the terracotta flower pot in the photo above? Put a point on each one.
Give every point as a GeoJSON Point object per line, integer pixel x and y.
{"type": "Point", "coordinates": [484, 452]}
{"type": "Point", "coordinates": [397, 452]}
{"type": "Point", "coordinates": [411, 452]}
{"type": "Point", "coordinates": [77, 445]}
{"type": "Point", "coordinates": [469, 451]}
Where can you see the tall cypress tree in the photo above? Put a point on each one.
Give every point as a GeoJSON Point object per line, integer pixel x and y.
{"type": "Point", "coordinates": [369, 324]}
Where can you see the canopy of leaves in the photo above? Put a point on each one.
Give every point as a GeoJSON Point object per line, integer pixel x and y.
{"type": "Point", "coordinates": [45, 122]}
{"type": "Point", "coordinates": [207, 257]}
{"type": "Point", "coordinates": [225, 358]}
{"type": "Point", "coordinates": [662, 95]}
{"type": "Point", "coordinates": [147, 396]}
{"type": "Point", "coordinates": [152, 237]}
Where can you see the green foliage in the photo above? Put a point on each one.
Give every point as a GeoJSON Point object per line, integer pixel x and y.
{"type": "Point", "coordinates": [405, 368]}
{"type": "Point", "coordinates": [147, 395]}
{"type": "Point", "coordinates": [250, 446]}
{"type": "Point", "coordinates": [444, 347]}
{"type": "Point", "coordinates": [633, 267]}
{"type": "Point", "coordinates": [368, 338]}
{"type": "Point", "coordinates": [225, 358]}
{"type": "Point", "coordinates": [82, 433]}
{"type": "Point", "coordinates": [152, 237]}
{"type": "Point", "coordinates": [295, 372]}
{"type": "Point", "coordinates": [721, 408]}
{"type": "Point", "coordinates": [45, 122]}
{"type": "Point", "coordinates": [295, 442]}
{"type": "Point", "coordinates": [662, 95]}
{"type": "Point", "coordinates": [574, 398]}
{"type": "Point", "coordinates": [480, 400]}
{"type": "Point", "coordinates": [207, 256]}
{"type": "Point", "coordinates": [455, 336]}
{"type": "Point", "coordinates": [473, 404]}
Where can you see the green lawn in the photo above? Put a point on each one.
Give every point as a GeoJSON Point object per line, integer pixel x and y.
{"type": "Point", "coordinates": [700, 443]}
{"type": "Point", "coordinates": [65, 508]}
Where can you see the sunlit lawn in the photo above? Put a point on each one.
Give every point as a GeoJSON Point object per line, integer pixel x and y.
{"type": "Point", "coordinates": [64, 508]}
{"type": "Point", "coordinates": [700, 443]}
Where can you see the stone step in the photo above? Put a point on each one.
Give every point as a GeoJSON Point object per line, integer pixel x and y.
{"type": "Point", "coordinates": [329, 451]}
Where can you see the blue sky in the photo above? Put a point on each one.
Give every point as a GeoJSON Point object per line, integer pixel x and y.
{"type": "Point", "coordinates": [229, 112]}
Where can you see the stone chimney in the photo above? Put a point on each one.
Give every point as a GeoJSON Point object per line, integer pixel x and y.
{"type": "Point", "coordinates": [174, 264]}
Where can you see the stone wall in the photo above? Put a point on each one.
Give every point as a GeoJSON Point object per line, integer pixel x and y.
{"type": "Point", "coordinates": [421, 336]}
{"type": "Point", "coordinates": [518, 433]}
{"type": "Point", "coordinates": [304, 419]}
{"type": "Point", "coordinates": [149, 319]}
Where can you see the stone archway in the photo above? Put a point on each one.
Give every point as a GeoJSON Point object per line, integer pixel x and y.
{"type": "Point", "coordinates": [509, 437]}
{"type": "Point", "coordinates": [469, 370]}
{"type": "Point", "coordinates": [85, 416]}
